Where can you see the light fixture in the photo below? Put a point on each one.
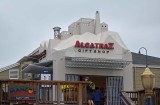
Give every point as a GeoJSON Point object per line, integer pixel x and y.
{"type": "Point", "coordinates": [148, 79]}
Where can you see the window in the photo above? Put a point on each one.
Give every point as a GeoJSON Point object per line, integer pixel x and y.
{"type": "Point", "coordinates": [70, 77]}
{"type": "Point", "coordinates": [13, 74]}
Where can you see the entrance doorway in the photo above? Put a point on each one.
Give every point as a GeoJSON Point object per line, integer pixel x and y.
{"type": "Point", "coordinates": [109, 85]}
{"type": "Point", "coordinates": [100, 82]}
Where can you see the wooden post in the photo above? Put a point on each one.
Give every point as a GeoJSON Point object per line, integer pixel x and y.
{"type": "Point", "coordinates": [1, 93]}
{"type": "Point", "coordinates": [58, 93]}
{"type": "Point", "coordinates": [139, 99]}
{"type": "Point", "coordinates": [80, 94]}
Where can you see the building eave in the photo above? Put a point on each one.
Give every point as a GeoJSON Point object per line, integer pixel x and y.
{"type": "Point", "coordinates": [9, 67]}
{"type": "Point", "coordinates": [144, 66]}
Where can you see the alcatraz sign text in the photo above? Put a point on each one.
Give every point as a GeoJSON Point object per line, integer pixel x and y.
{"type": "Point", "coordinates": [94, 45]}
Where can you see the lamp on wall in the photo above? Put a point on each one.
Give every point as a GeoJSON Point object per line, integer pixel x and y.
{"type": "Point", "coordinates": [148, 79]}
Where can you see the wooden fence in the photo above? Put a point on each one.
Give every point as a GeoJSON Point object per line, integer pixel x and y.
{"type": "Point", "coordinates": [139, 97]}
{"type": "Point", "coordinates": [40, 92]}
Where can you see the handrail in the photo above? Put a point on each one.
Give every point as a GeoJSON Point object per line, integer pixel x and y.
{"type": "Point", "coordinates": [46, 81]}
{"type": "Point", "coordinates": [126, 99]}
{"type": "Point", "coordinates": [123, 100]}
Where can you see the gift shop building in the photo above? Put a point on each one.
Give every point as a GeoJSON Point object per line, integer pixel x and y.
{"type": "Point", "coordinates": [89, 49]}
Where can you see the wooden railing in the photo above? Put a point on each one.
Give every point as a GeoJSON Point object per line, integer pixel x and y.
{"type": "Point", "coordinates": [39, 92]}
{"type": "Point", "coordinates": [156, 96]}
{"type": "Point", "coordinates": [125, 99]}
{"type": "Point", "coordinates": [139, 97]}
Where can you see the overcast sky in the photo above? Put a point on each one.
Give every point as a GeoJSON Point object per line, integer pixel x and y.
{"type": "Point", "coordinates": [24, 24]}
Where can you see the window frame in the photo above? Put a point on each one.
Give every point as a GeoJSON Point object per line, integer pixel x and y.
{"type": "Point", "coordinates": [12, 71]}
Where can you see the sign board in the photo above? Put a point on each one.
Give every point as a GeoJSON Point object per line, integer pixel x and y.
{"type": "Point", "coordinates": [21, 91]}
{"type": "Point", "coordinates": [87, 47]}
{"type": "Point", "coordinates": [46, 77]}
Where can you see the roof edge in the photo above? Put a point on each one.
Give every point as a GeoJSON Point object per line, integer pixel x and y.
{"type": "Point", "coordinates": [144, 66]}
{"type": "Point", "coordinates": [9, 67]}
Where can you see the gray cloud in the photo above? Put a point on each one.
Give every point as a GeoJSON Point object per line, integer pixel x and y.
{"type": "Point", "coordinates": [24, 24]}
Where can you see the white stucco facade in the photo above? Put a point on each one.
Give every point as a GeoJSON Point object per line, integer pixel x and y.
{"type": "Point", "coordinates": [88, 39]}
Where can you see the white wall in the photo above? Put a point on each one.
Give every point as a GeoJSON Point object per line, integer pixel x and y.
{"type": "Point", "coordinates": [59, 70]}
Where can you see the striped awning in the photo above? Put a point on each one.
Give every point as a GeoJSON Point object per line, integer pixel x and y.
{"type": "Point", "coordinates": [83, 62]}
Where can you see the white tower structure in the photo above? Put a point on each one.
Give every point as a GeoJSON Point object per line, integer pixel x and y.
{"type": "Point", "coordinates": [84, 25]}
{"type": "Point", "coordinates": [56, 32]}
{"type": "Point", "coordinates": [97, 23]}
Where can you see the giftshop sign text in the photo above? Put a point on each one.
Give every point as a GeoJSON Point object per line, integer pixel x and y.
{"type": "Point", "coordinates": [94, 47]}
